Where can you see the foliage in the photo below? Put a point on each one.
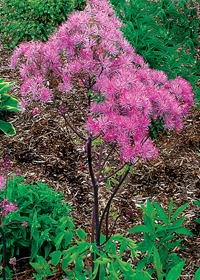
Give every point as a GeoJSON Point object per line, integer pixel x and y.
{"type": "Point", "coordinates": [110, 261]}
{"type": "Point", "coordinates": [165, 33]}
{"type": "Point", "coordinates": [160, 240]}
{"type": "Point", "coordinates": [46, 217]}
{"type": "Point", "coordinates": [7, 104]}
{"type": "Point", "coordinates": [33, 19]}
{"type": "Point", "coordinates": [123, 95]}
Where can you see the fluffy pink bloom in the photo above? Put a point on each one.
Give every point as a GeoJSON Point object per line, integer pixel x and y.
{"type": "Point", "coordinates": [90, 47]}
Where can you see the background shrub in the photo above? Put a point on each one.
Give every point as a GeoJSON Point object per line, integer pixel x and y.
{"type": "Point", "coordinates": [46, 216]}
{"type": "Point", "coordinates": [165, 34]}
{"type": "Point", "coordinates": [33, 19]}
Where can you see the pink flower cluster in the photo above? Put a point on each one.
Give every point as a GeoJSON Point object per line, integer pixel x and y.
{"type": "Point", "coordinates": [6, 164]}
{"type": "Point", "coordinates": [7, 207]}
{"type": "Point", "coordinates": [91, 48]}
{"type": "Point", "coordinates": [2, 182]}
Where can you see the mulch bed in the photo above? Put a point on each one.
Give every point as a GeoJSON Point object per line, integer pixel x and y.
{"type": "Point", "coordinates": [43, 150]}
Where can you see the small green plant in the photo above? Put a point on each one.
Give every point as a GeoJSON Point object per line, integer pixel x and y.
{"type": "Point", "coordinates": [43, 268]}
{"type": "Point", "coordinates": [33, 19]}
{"type": "Point", "coordinates": [160, 239]}
{"type": "Point", "coordinates": [45, 215]}
{"type": "Point", "coordinates": [7, 104]}
{"type": "Point", "coordinates": [109, 264]}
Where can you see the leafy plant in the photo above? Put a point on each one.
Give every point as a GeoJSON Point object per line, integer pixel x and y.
{"type": "Point", "coordinates": [33, 19]}
{"type": "Point", "coordinates": [42, 268]}
{"type": "Point", "coordinates": [165, 33]}
{"type": "Point", "coordinates": [46, 216]}
{"type": "Point", "coordinates": [109, 263]}
{"type": "Point", "coordinates": [159, 240]}
{"type": "Point", "coordinates": [7, 104]}
{"type": "Point", "coordinates": [122, 94]}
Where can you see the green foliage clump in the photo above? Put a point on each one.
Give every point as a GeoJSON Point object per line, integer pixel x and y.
{"type": "Point", "coordinates": [7, 104]}
{"type": "Point", "coordinates": [160, 240]}
{"type": "Point", "coordinates": [33, 19]}
{"type": "Point", "coordinates": [165, 34]}
{"type": "Point", "coordinates": [46, 215]}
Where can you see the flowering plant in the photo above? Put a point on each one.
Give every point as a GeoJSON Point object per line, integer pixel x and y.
{"type": "Point", "coordinates": [123, 94]}
{"type": "Point", "coordinates": [6, 207]}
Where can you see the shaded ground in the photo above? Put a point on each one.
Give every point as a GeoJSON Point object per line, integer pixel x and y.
{"type": "Point", "coordinates": [43, 151]}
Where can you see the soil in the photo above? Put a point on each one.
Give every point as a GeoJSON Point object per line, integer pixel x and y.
{"type": "Point", "coordinates": [44, 151]}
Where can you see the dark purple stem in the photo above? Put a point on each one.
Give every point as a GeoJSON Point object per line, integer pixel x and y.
{"type": "Point", "coordinates": [95, 187]}
{"type": "Point", "coordinates": [92, 237]}
{"type": "Point", "coordinates": [109, 202]}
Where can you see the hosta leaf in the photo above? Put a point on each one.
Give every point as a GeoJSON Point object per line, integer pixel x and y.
{"type": "Point", "coordinates": [7, 128]}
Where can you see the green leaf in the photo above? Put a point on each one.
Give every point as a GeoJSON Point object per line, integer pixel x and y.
{"type": "Point", "coordinates": [178, 211]}
{"type": "Point", "coordinates": [197, 202]}
{"type": "Point", "coordinates": [81, 233]}
{"type": "Point", "coordinates": [183, 230]}
{"type": "Point", "coordinates": [197, 274]}
{"type": "Point", "coordinates": [161, 213]}
{"type": "Point", "coordinates": [55, 257]}
{"type": "Point", "coordinates": [178, 222]}
{"type": "Point", "coordinates": [139, 228]}
{"type": "Point", "coordinates": [175, 272]}
{"type": "Point", "coordinates": [59, 239]}
{"type": "Point", "coordinates": [157, 262]}
{"type": "Point", "coordinates": [7, 128]}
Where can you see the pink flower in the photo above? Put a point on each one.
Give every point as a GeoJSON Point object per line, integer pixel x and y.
{"type": "Point", "coordinates": [36, 110]}
{"type": "Point", "coordinates": [90, 48]}
{"type": "Point", "coordinates": [7, 207]}
{"type": "Point", "coordinates": [24, 224]}
{"type": "Point", "coordinates": [2, 182]}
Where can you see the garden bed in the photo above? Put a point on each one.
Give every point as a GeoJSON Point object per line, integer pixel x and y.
{"type": "Point", "coordinates": [43, 151]}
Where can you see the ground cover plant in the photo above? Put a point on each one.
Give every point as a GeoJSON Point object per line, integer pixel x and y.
{"type": "Point", "coordinates": [119, 115]}
{"type": "Point", "coordinates": [165, 34]}
{"type": "Point", "coordinates": [39, 210]}
{"type": "Point", "coordinates": [33, 19]}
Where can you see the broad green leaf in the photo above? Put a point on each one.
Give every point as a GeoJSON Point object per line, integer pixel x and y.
{"type": "Point", "coordinates": [175, 272]}
{"type": "Point", "coordinates": [55, 257]}
{"type": "Point", "coordinates": [7, 128]}
{"type": "Point", "coordinates": [81, 233]}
